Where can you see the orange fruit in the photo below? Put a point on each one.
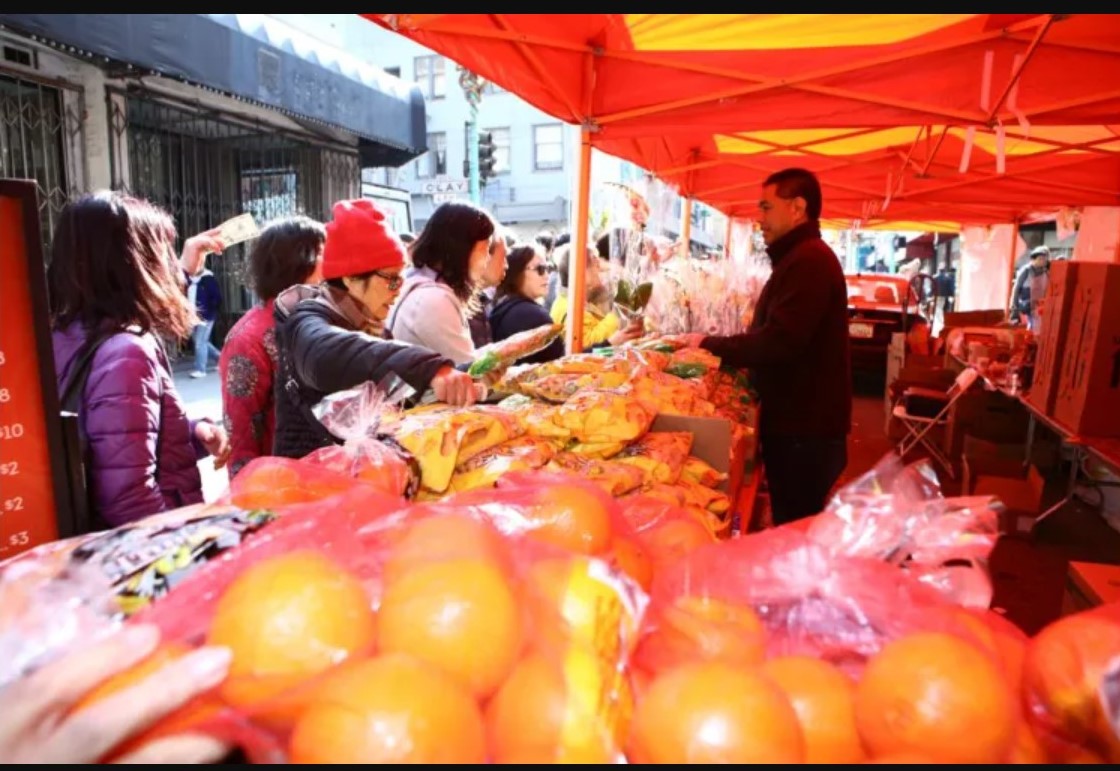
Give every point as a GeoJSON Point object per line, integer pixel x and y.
{"type": "Point", "coordinates": [711, 712]}
{"type": "Point", "coordinates": [824, 699]}
{"type": "Point", "coordinates": [630, 557]}
{"type": "Point", "coordinates": [442, 538]}
{"type": "Point", "coordinates": [195, 712]}
{"type": "Point", "coordinates": [1026, 749]}
{"type": "Point", "coordinates": [286, 619]}
{"type": "Point", "coordinates": [702, 629]}
{"type": "Point", "coordinates": [673, 539]}
{"type": "Point", "coordinates": [571, 517]}
{"type": "Point", "coordinates": [389, 709]}
{"type": "Point", "coordinates": [461, 616]}
{"type": "Point", "coordinates": [539, 716]}
{"type": "Point", "coordinates": [939, 696]}
{"type": "Point", "coordinates": [1000, 638]}
{"type": "Point", "coordinates": [1062, 672]}
{"type": "Point", "coordinates": [268, 482]}
{"type": "Point", "coordinates": [900, 758]}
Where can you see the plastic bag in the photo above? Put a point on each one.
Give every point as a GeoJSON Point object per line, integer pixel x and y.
{"type": "Point", "coordinates": [68, 593]}
{"type": "Point", "coordinates": [1069, 679]}
{"type": "Point", "coordinates": [896, 513]}
{"type": "Point", "coordinates": [355, 416]}
{"type": "Point", "coordinates": [339, 616]}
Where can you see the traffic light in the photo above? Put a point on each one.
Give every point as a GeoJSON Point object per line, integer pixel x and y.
{"type": "Point", "coordinates": [486, 159]}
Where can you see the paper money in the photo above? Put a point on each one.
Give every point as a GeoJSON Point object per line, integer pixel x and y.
{"type": "Point", "coordinates": [240, 228]}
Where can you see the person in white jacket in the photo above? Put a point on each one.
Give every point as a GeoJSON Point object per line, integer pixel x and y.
{"type": "Point", "coordinates": [450, 259]}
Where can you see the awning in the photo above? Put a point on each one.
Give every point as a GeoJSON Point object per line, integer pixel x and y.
{"type": "Point", "coordinates": [257, 59]}
{"type": "Point", "coordinates": [938, 118]}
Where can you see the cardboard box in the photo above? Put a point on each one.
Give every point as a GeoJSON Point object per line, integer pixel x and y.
{"type": "Point", "coordinates": [711, 443]}
{"type": "Point", "coordinates": [1089, 584]}
{"type": "Point", "coordinates": [1057, 309]}
{"type": "Point", "coordinates": [1088, 397]}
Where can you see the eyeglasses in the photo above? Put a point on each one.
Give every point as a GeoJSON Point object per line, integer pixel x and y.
{"type": "Point", "coordinates": [542, 270]}
{"type": "Point", "coordinates": [394, 280]}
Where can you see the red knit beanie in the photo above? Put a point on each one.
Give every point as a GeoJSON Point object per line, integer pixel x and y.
{"type": "Point", "coordinates": [360, 239]}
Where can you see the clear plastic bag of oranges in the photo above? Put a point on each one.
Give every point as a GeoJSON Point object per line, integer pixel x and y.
{"type": "Point", "coordinates": [812, 656]}
{"type": "Point", "coordinates": [1070, 685]}
{"type": "Point", "coordinates": [480, 628]}
{"type": "Point", "coordinates": [355, 416]}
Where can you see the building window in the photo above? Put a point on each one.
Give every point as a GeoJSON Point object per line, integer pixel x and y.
{"type": "Point", "coordinates": [394, 71]}
{"type": "Point", "coordinates": [431, 76]}
{"type": "Point", "coordinates": [434, 162]}
{"type": "Point", "coordinates": [501, 149]}
{"type": "Point", "coordinates": [548, 147]}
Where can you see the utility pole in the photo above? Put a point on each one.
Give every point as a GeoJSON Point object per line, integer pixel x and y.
{"type": "Point", "coordinates": [472, 86]}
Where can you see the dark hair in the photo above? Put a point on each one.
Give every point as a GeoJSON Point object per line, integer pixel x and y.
{"type": "Point", "coordinates": [798, 183]}
{"type": "Point", "coordinates": [563, 238]}
{"type": "Point", "coordinates": [361, 278]}
{"type": "Point", "coordinates": [564, 258]}
{"type": "Point", "coordinates": [407, 237]}
{"type": "Point", "coordinates": [517, 260]}
{"type": "Point", "coordinates": [446, 242]}
{"type": "Point", "coordinates": [545, 241]}
{"type": "Point", "coordinates": [112, 260]}
{"type": "Point", "coordinates": [285, 254]}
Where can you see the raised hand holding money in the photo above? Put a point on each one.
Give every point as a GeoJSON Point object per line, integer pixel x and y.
{"type": "Point", "coordinates": [198, 246]}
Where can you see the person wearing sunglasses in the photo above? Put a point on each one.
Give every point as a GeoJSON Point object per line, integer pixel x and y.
{"type": "Point", "coordinates": [517, 303]}
{"type": "Point", "coordinates": [332, 337]}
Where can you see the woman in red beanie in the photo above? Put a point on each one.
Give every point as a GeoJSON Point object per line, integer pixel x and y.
{"type": "Point", "coordinates": [331, 337]}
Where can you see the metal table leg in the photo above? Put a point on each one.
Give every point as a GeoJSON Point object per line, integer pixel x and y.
{"type": "Point", "coordinates": [1074, 473]}
{"type": "Point", "coordinates": [1032, 422]}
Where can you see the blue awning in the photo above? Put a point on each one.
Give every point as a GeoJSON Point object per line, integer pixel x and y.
{"type": "Point", "coordinates": [255, 58]}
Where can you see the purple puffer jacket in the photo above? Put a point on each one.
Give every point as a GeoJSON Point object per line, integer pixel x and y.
{"type": "Point", "coordinates": [144, 457]}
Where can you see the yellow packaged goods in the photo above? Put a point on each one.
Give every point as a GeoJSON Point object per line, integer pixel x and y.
{"type": "Point", "coordinates": [484, 469]}
{"type": "Point", "coordinates": [695, 356]}
{"type": "Point", "coordinates": [561, 387]}
{"type": "Point", "coordinates": [696, 470]}
{"type": "Point", "coordinates": [606, 416]}
{"type": "Point", "coordinates": [616, 478]}
{"type": "Point", "coordinates": [660, 456]}
{"type": "Point", "coordinates": [536, 419]}
{"type": "Point", "coordinates": [704, 497]}
{"type": "Point", "coordinates": [440, 438]}
{"type": "Point", "coordinates": [601, 450]}
{"type": "Point", "coordinates": [673, 396]}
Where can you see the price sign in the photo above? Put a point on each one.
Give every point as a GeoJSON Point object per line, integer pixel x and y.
{"type": "Point", "coordinates": [33, 491]}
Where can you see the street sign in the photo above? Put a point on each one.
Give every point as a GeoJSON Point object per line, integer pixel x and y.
{"type": "Point", "coordinates": [438, 198]}
{"type": "Point", "coordinates": [444, 186]}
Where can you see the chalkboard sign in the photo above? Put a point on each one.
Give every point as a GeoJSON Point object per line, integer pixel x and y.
{"type": "Point", "coordinates": [35, 491]}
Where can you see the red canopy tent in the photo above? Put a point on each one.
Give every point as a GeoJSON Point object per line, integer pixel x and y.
{"type": "Point", "coordinates": [884, 107]}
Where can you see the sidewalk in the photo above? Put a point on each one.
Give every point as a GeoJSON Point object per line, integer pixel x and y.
{"type": "Point", "coordinates": [203, 399]}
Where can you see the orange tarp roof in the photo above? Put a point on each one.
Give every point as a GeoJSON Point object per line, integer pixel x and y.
{"type": "Point", "coordinates": [712, 100]}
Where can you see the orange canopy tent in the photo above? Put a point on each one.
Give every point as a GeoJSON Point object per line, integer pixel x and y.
{"type": "Point", "coordinates": [959, 118]}
{"type": "Point", "coordinates": [710, 100]}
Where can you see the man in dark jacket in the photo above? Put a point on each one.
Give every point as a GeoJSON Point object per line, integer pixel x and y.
{"type": "Point", "coordinates": [330, 337]}
{"type": "Point", "coordinates": [797, 351]}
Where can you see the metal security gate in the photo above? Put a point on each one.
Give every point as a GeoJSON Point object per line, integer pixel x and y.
{"type": "Point", "coordinates": [41, 138]}
{"type": "Point", "coordinates": [205, 166]}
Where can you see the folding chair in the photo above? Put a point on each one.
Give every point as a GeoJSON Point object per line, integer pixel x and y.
{"type": "Point", "coordinates": [920, 410]}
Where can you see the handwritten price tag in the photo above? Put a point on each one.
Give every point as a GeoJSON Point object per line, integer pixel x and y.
{"type": "Point", "coordinates": [240, 228]}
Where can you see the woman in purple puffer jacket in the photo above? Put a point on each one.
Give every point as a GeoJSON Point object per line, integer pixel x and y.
{"type": "Point", "coordinates": [112, 275]}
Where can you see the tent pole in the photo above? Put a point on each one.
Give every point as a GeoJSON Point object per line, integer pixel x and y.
{"type": "Point", "coordinates": [727, 239]}
{"type": "Point", "coordinates": [577, 265]}
{"type": "Point", "coordinates": [1009, 285]}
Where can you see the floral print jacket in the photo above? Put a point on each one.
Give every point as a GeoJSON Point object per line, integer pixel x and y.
{"type": "Point", "coordinates": [248, 367]}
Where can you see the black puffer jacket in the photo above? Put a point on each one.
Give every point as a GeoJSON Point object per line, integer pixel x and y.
{"type": "Point", "coordinates": [323, 350]}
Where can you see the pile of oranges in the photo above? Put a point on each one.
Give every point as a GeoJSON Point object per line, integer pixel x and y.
{"type": "Point", "coordinates": [481, 642]}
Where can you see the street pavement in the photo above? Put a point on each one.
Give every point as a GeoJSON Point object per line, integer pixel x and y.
{"type": "Point", "coordinates": [203, 399]}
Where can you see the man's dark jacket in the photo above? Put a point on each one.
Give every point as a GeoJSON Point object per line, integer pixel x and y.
{"type": "Point", "coordinates": [797, 346]}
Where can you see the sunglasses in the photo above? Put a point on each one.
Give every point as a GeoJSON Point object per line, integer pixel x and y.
{"type": "Point", "coordinates": [395, 282]}
{"type": "Point", "coordinates": [542, 270]}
